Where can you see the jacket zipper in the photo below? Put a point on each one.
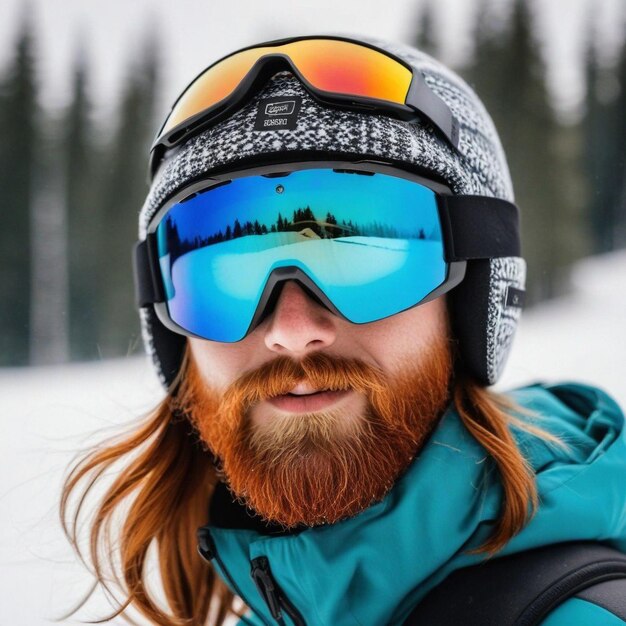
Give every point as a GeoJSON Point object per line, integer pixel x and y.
{"type": "Point", "coordinates": [208, 551]}
{"type": "Point", "coordinates": [273, 595]}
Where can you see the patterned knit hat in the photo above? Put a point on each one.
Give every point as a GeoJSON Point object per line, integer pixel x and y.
{"type": "Point", "coordinates": [484, 313]}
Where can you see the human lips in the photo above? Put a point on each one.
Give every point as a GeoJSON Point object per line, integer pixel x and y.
{"type": "Point", "coordinates": [303, 397]}
{"type": "Point", "coordinates": [302, 389]}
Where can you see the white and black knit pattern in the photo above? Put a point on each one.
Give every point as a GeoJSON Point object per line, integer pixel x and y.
{"type": "Point", "coordinates": [481, 168]}
{"type": "Point", "coordinates": [501, 319]}
{"type": "Point", "coordinates": [146, 317]}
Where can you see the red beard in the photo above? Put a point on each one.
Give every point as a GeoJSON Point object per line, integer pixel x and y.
{"type": "Point", "coordinates": [320, 467]}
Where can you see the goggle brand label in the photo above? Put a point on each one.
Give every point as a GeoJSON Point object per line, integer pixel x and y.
{"type": "Point", "coordinates": [278, 113]}
{"type": "Point", "coordinates": [280, 108]}
{"type": "Point", "coordinates": [514, 297]}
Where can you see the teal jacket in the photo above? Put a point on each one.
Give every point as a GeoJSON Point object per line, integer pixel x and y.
{"type": "Point", "coordinates": [373, 568]}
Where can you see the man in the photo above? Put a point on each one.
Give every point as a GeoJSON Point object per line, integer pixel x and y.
{"type": "Point", "coordinates": [326, 291]}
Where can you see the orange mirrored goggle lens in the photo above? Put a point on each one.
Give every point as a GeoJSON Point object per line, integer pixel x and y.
{"type": "Point", "coordinates": [327, 64]}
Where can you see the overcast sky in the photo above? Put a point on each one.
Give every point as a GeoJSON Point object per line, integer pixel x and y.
{"type": "Point", "coordinates": [193, 33]}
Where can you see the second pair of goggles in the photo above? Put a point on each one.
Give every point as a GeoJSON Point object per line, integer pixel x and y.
{"type": "Point", "coordinates": [339, 71]}
{"type": "Point", "coordinates": [368, 240]}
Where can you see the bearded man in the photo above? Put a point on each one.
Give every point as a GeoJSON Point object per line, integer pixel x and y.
{"type": "Point", "coordinates": [329, 278]}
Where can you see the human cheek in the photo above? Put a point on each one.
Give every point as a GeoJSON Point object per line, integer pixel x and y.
{"type": "Point", "coordinates": [217, 363]}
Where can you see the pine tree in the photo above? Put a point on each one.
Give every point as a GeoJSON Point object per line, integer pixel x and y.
{"type": "Point", "coordinates": [19, 116]}
{"type": "Point", "coordinates": [85, 218]}
{"type": "Point", "coordinates": [600, 147]}
{"type": "Point", "coordinates": [425, 38]}
{"type": "Point", "coordinates": [308, 214]}
{"type": "Point", "coordinates": [615, 233]}
{"type": "Point", "coordinates": [486, 73]}
{"type": "Point", "coordinates": [122, 195]}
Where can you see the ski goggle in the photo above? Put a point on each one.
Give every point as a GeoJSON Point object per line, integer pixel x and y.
{"type": "Point", "coordinates": [366, 240]}
{"type": "Point", "coordinates": [336, 70]}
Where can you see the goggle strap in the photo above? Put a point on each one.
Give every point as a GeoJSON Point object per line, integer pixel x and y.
{"type": "Point", "coordinates": [147, 286]}
{"type": "Point", "coordinates": [480, 227]}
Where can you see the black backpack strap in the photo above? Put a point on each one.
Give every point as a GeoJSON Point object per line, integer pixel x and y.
{"type": "Point", "coordinates": [519, 589]}
{"type": "Point", "coordinates": [610, 595]}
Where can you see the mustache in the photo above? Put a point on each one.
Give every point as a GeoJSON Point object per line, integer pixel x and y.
{"type": "Point", "coordinates": [318, 369]}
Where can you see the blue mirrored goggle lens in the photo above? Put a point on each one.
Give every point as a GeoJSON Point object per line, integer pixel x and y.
{"type": "Point", "coordinates": [371, 242]}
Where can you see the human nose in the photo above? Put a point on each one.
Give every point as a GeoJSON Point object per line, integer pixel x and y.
{"type": "Point", "coordinates": [298, 324]}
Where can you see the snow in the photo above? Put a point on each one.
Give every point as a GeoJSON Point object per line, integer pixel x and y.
{"type": "Point", "coordinates": [49, 413]}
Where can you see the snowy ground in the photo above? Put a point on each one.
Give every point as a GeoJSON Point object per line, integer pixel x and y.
{"type": "Point", "coordinates": [48, 413]}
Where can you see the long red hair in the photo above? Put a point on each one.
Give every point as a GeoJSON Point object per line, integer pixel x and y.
{"type": "Point", "coordinates": [165, 483]}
